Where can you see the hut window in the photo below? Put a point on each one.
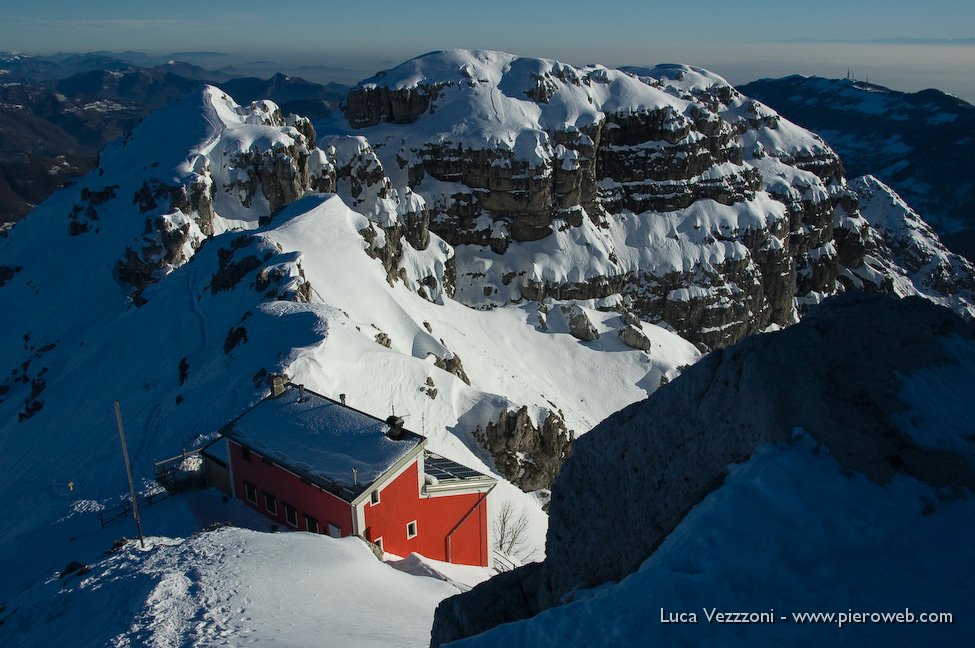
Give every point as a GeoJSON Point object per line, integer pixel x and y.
{"type": "Point", "coordinates": [311, 524]}
{"type": "Point", "coordinates": [270, 504]}
{"type": "Point", "coordinates": [250, 492]}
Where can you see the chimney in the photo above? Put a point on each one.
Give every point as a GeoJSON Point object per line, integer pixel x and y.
{"type": "Point", "coordinates": [395, 424]}
{"type": "Point", "coordinates": [342, 398]}
{"type": "Point", "coordinates": [278, 383]}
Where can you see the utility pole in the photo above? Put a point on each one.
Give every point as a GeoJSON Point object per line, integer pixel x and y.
{"type": "Point", "coordinates": [128, 473]}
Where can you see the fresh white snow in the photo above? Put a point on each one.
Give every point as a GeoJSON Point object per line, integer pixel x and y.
{"type": "Point", "coordinates": [786, 533]}
{"type": "Point", "coordinates": [231, 587]}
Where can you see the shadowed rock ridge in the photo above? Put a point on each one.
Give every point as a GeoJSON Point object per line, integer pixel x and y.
{"type": "Point", "coordinates": [633, 478]}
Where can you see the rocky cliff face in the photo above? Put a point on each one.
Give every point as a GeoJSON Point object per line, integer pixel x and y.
{"type": "Point", "coordinates": [256, 163]}
{"type": "Point", "coordinates": [901, 251]}
{"type": "Point", "coordinates": [663, 194]}
{"type": "Point", "coordinates": [528, 455]}
{"type": "Point", "coordinates": [918, 143]}
{"type": "Point", "coordinates": [666, 188]}
{"type": "Point", "coordinates": [855, 376]}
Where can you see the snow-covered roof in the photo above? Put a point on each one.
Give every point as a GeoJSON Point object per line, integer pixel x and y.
{"type": "Point", "coordinates": [332, 445]}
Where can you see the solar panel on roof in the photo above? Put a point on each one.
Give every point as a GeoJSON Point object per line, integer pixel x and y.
{"type": "Point", "coordinates": [444, 469]}
{"type": "Point", "coordinates": [441, 475]}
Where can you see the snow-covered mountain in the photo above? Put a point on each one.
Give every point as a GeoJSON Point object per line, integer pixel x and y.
{"type": "Point", "coordinates": [918, 143]}
{"type": "Point", "coordinates": [163, 281]}
{"type": "Point", "coordinates": [505, 251]}
{"type": "Point", "coordinates": [907, 253]}
{"type": "Point", "coordinates": [703, 209]}
{"type": "Point", "coordinates": [827, 468]}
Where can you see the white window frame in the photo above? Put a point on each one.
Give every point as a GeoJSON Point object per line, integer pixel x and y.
{"type": "Point", "coordinates": [416, 530]}
{"type": "Point", "coordinates": [308, 522]}
{"type": "Point", "coordinates": [290, 509]}
{"type": "Point", "coordinates": [248, 487]}
{"type": "Point", "coordinates": [374, 497]}
{"type": "Point", "coordinates": [273, 509]}
{"type": "Point", "coordinates": [379, 543]}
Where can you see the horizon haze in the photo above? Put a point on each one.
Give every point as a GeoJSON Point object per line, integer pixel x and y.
{"type": "Point", "coordinates": [895, 44]}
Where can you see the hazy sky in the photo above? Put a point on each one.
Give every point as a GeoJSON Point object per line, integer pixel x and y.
{"type": "Point", "coordinates": [742, 40]}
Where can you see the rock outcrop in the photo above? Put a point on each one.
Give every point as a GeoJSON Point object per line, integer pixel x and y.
{"type": "Point", "coordinates": [901, 254]}
{"type": "Point", "coordinates": [259, 162]}
{"type": "Point", "coordinates": [839, 376]}
{"type": "Point", "coordinates": [527, 454]}
{"type": "Point", "coordinates": [399, 218]}
{"type": "Point", "coordinates": [580, 326]}
{"type": "Point", "coordinates": [634, 337]}
{"type": "Point", "coordinates": [919, 143]}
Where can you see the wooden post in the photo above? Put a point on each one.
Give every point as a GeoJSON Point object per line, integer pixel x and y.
{"type": "Point", "coordinates": [128, 473]}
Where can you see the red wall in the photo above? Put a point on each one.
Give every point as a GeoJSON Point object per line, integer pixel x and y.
{"type": "Point", "coordinates": [400, 503]}
{"type": "Point", "coordinates": [287, 488]}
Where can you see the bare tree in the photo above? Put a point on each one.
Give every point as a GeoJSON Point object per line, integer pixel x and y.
{"type": "Point", "coordinates": [511, 531]}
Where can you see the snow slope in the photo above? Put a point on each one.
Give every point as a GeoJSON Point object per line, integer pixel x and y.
{"type": "Point", "coordinates": [788, 534]}
{"type": "Point", "coordinates": [230, 586]}
{"type": "Point", "coordinates": [190, 349]}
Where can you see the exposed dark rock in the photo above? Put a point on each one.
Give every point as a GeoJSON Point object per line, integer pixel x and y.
{"type": "Point", "coordinates": [526, 454]}
{"type": "Point", "coordinates": [580, 326]}
{"type": "Point", "coordinates": [7, 273]}
{"type": "Point", "coordinates": [231, 270]}
{"type": "Point", "coordinates": [184, 371]}
{"type": "Point", "coordinates": [454, 366]}
{"type": "Point", "coordinates": [480, 609]}
{"type": "Point", "coordinates": [74, 567]}
{"type": "Point", "coordinates": [235, 336]}
{"type": "Point", "coordinates": [635, 338]}
{"type": "Point", "coordinates": [429, 388]}
{"type": "Point", "coordinates": [370, 105]}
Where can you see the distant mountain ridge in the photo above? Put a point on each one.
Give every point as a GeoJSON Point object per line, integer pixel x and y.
{"type": "Point", "coordinates": [56, 113]}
